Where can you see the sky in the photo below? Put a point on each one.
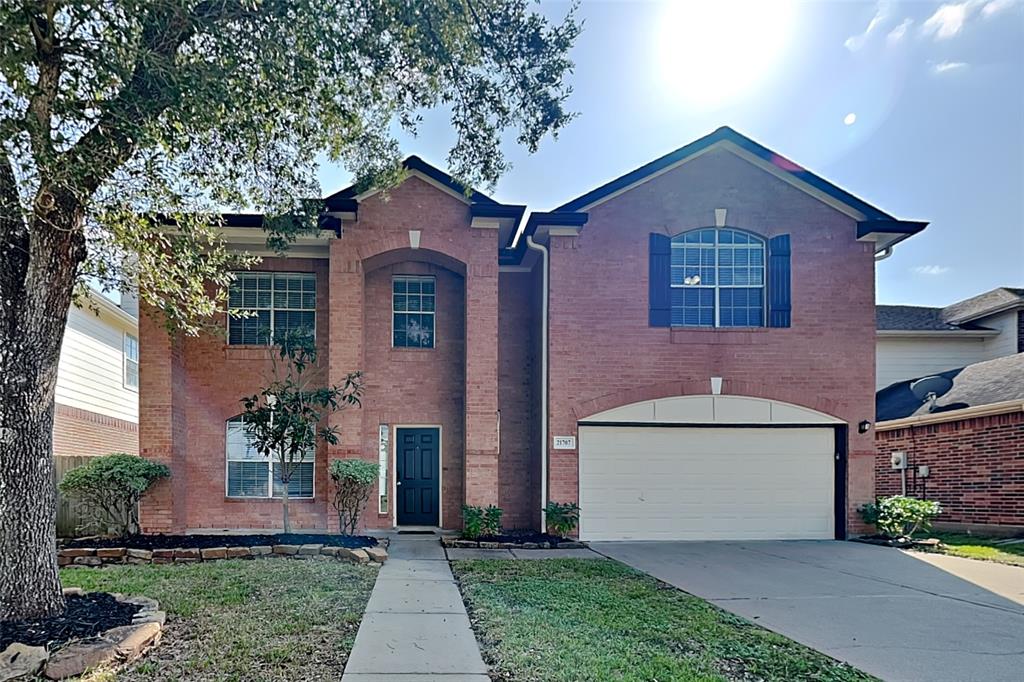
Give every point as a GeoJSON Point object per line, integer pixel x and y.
{"type": "Point", "coordinates": [915, 107]}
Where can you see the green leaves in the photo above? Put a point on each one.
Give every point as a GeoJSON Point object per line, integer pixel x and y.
{"type": "Point", "coordinates": [900, 517]}
{"type": "Point", "coordinates": [357, 471]}
{"type": "Point", "coordinates": [480, 521]}
{"type": "Point", "coordinates": [111, 485]}
{"type": "Point", "coordinates": [562, 518]}
{"type": "Point", "coordinates": [283, 420]}
{"type": "Point", "coordinates": [122, 108]}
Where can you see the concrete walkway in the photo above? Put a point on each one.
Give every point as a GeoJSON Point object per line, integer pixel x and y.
{"type": "Point", "coordinates": [899, 616]}
{"type": "Point", "coordinates": [416, 627]}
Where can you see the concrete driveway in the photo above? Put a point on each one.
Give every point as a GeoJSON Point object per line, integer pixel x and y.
{"type": "Point", "coordinates": [887, 612]}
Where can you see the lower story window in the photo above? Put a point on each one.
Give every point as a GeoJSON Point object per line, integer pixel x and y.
{"type": "Point", "coordinates": [250, 474]}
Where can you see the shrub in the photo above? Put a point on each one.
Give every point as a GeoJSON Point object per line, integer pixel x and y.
{"type": "Point", "coordinates": [562, 519]}
{"type": "Point", "coordinates": [899, 516]}
{"type": "Point", "coordinates": [478, 521]}
{"type": "Point", "coordinates": [110, 488]}
{"type": "Point", "coordinates": [353, 480]}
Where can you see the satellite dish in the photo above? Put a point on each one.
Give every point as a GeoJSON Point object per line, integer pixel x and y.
{"type": "Point", "coordinates": [928, 389]}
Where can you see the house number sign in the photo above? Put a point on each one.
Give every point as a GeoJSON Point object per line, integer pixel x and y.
{"type": "Point", "coordinates": [565, 442]}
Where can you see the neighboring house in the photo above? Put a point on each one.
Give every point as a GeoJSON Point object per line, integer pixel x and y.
{"type": "Point", "coordinates": [915, 341]}
{"type": "Point", "coordinates": [970, 438]}
{"type": "Point", "coordinates": [97, 394]}
{"type": "Point", "coordinates": [687, 351]}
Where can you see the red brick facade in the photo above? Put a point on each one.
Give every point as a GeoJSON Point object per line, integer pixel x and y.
{"type": "Point", "coordinates": [78, 432]}
{"type": "Point", "coordinates": [604, 354]}
{"type": "Point", "coordinates": [976, 467]}
{"type": "Point", "coordinates": [481, 384]}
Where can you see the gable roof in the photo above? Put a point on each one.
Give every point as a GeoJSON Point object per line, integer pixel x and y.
{"type": "Point", "coordinates": [873, 224]}
{"type": "Point", "coordinates": [725, 134]}
{"type": "Point", "coordinates": [994, 301]}
{"type": "Point", "coordinates": [982, 383]}
{"type": "Point", "coordinates": [415, 163]}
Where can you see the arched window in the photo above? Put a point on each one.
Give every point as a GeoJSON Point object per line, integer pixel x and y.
{"type": "Point", "coordinates": [718, 278]}
{"type": "Point", "coordinates": [250, 474]}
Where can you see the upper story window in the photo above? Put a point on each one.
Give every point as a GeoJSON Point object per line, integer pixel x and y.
{"type": "Point", "coordinates": [717, 279]}
{"type": "Point", "coordinates": [131, 361]}
{"type": "Point", "coordinates": [251, 474]}
{"type": "Point", "coordinates": [412, 311]}
{"type": "Point", "coordinates": [277, 303]}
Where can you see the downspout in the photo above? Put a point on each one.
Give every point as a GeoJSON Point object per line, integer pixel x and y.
{"type": "Point", "coordinates": [883, 254]}
{"type": "Point", "coordinates": [543, 380]}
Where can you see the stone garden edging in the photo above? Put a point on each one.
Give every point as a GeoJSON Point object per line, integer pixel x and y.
{"type": "Point", "coordinates": [457, 543]}
{"type": "Point", "coordinates": [116, 646]}
{"type": "Point", "coordinates": [87, 556]}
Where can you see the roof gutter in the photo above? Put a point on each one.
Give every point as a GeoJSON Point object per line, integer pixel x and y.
{"type": "Point", "coordinates": [937, 333]}
{"type": "Point", "coordinates": [990, 410]}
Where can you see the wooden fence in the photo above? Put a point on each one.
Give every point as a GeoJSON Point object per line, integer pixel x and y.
{"type": "Point", "coordinates": [69, 514]}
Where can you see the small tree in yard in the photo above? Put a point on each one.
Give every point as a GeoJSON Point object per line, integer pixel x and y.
{"type": "Point", "coordinates": [115, 112]}
{"type": "Point", "coordinates": [111, 486]}
{"type": "Point", "coordinates": [283, 420]}
{"type": "Point", "coordinates": [353, 480]}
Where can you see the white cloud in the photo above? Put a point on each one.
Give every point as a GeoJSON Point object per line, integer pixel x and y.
{"type": "Point", "coordinates": [855, 42]}
{"type": "Point", "coordinates": [948, 20]}
{"type": "Point", "coordinates": [996, 6]}
{"type": "Point", "coordinates": [946, 67]}
{"type": "Point", "coordinates": [897, 34]}
{"type": "Point", "coordinates": [931, 270]}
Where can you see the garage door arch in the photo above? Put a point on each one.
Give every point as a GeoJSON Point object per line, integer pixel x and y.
{"type": "Point", "coordinates": [721, 467]}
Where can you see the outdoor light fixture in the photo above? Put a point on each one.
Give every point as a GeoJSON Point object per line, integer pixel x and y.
{"type": "Point", "coordinates": [864, 426]}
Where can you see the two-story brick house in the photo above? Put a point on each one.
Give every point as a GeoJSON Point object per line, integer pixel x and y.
{"type": "Point", "coordinates": [687, 351]}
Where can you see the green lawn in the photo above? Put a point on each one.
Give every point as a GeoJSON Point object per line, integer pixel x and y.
{"type": "Point", "coordinates": [272, 619]}
{"type": "Point", "coordinates": [975, 547]}
{"type": "Point", "coordinates": [558, 620]}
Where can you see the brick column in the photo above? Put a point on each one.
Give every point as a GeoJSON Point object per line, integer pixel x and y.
{"type": "Point", "coordinates": [163, 427]}
{"type": "Point", "coordinates": [345, 354]}
{"type": "Point", "coordinates": [481, 462]}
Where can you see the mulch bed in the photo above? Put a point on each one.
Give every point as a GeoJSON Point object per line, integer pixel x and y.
{"type": "Point", "coordinates": [211, 541]}
{"type": "Point", "coordinates": [86, 616]}
{"type": "Point", "coordinates": [520, 537]}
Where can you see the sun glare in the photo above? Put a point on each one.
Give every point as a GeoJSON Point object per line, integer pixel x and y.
{"type": "Point", "coordinates": [714, 52]}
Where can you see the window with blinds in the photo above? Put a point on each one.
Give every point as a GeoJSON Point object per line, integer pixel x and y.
{"type": "Point", "coordinates": [250, 474]}
{"type": "Point", "coordinates": [717, 279]}
{"type": "Point", "coordinates": [273, 303]}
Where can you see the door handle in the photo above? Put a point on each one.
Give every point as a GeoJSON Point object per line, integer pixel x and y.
{"type": "Point", "coordinates": [398, 483]}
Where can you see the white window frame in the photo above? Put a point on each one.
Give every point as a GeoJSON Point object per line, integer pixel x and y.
{"type": "Point", "coordinates": [717, 246]}
{"type": "Point", "coordinates": [125, 360]}
{"type": "Point", "coordinates": [433, 313]}
{"type": "Point", "coordinates": [269, 461]}
{"type": "Point", "coordinates": [273, 276]}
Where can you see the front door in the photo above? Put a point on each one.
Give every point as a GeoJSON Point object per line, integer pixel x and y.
{"type": "Point", "coordinates": [418, 478]}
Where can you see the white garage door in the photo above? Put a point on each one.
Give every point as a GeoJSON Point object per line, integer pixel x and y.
{"type": "Point", "coordinates": [679, 483]}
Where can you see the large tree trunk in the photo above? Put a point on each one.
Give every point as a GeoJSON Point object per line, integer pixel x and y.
{"type": "Point", "coordinates": [38, 267]}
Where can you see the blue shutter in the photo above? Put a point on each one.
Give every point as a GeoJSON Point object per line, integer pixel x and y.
{"type": "Point", "coordinates": [779, 306]}
{"type": "Point", "coordinates": [659, 281]}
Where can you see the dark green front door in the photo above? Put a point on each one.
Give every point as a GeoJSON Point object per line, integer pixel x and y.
{"type": "Point", "coordinates": [418, 476]}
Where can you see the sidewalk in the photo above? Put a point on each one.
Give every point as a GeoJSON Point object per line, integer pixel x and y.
{"type": "Point", "coordinates": [416, 627]}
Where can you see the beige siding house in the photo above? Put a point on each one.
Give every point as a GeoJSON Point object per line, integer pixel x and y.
{"type": "Point", "coordinates": [916, 341]}
{"type": "Point", "coordinates": [97, 394]}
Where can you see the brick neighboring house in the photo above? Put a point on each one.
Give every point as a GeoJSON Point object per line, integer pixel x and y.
{"type": "Point", "coordinates": [688, 351]}
{"type": "Point", "coordinates": [970, 438]}
{"type": "Point", "coordinates": [97, 394]}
